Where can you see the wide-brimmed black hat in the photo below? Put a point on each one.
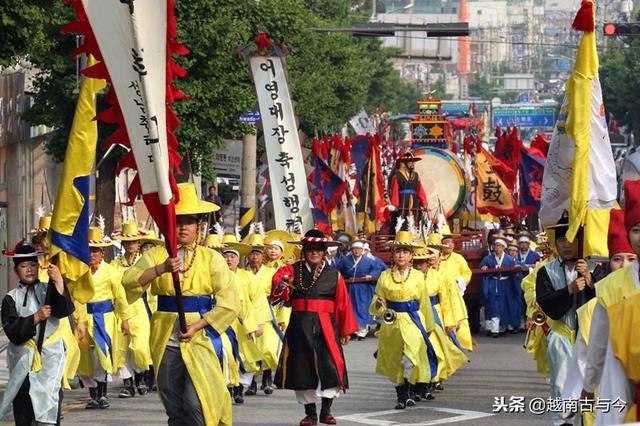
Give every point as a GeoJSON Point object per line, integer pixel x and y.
{"type": "Point", "coordinates": [23, 252]}
{"type": "Point", "coordinates": [315, 238]}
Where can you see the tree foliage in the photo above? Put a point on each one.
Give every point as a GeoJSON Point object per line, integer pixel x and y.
{"type": "Point", "coordinates": [331, 76]}
{"type": "Point", "coordinates": [619, 69]}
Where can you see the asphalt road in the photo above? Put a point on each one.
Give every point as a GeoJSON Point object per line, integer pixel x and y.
{"type": "Point", "coordinates": [498, 368]}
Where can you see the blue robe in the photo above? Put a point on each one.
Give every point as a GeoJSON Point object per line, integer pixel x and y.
{"type": "Point", "coordinates": [531, 258]}
{"type": "Point", "coordinates": [501, 292]}
{"type": "Point", "coordinates": [361, 293]}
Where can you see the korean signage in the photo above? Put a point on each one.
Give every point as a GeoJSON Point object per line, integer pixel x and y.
{"type": "Point", "coordinates": [523, 116]}
{"type": "Point", "coordinates": [289, 188]}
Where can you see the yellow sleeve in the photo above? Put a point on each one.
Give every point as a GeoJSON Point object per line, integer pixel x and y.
{"type": "Point", "coordinates": [81, 290]}
{"type": "Point", "coordinates": [227, 300]}
{"type": "Point", "coordinates": [528, 286]}
{"type": "Point", "coordinates": [123, 309]}
{"type": "Point", "coordinates": [80, 315]}
{"type": "Point", "coordinates": [426, 308]}
{"type": "Point", "coordinates": [259, 305]}
{"type": "Point", "coordinates": [378, 293]}
{"type": "Point", "coordinates": [446, 302]}
{"type": "Point", "coordinates": [246, 314]}
{"type": "Point", "coordinates": [133, 289]}
{"type": "Point", "coordinates": [463, 269]}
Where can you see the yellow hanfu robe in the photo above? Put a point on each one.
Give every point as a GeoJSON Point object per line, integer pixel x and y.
{"type": "Point", "coordinates": [269, 343]}
{"type": "Point", "coordinates": [251, 313]}
{"type": "Point", "coordinates": [139, 329]}
{"type": "Point", "coordinates": [209, 275]}
{"type": "Point", "coordinates": [456, 268]}
{"type": "Point", "coordinates": [72, 361]}
{"type": "Point", "coordinates": [454, 358]}
{"type": "Point", "coordinates": [402, 337]}
{"type": "Point", "coordinates": [537, 338]}
{"type": "Point", "coordinates": [107, 287]}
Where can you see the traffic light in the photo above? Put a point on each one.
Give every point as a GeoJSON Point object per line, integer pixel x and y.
{"type": "Point", "coordinates": [612, 29]}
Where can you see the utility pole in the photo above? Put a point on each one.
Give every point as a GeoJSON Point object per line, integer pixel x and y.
{"type": "Point", "coordinates": [248, 182]}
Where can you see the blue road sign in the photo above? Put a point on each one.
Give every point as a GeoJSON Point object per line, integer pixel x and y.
{"type": "Point", "coordinates": [523, 116]}
{"type": "Point", "coordinates": [250, 117]}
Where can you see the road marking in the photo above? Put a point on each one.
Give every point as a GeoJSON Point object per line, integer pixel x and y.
{"type": "Point", "coordinates": [461, 416]}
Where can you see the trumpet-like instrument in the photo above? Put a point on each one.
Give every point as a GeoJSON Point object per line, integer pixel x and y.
{"type": "Point", "coordinates": [389, 316]}
{"type": "Point", "coordinates": [539, 318]}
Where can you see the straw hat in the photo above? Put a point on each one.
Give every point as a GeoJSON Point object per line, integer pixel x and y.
{"type": "Point", "coordinates": [422, 252]}
{"type": "Point", "coordinates": [129, 232]}
{"type": "Point", "coordinates": [190, 204]}
{"type": "Point", "coordinates": [213, 241]}
{"type": "Point", "coordinates": [230, 243]}
{"type": "Point", "coordinates": [280, 239]}
{"type": "Point", "coordinates": [255, 241]}
{"type": "Point", "coordinates": [434, 241]}
{"type": "Point", "coordinates": [44, 223]}
{"type": "Point", "coordinates": [97, 238]}
{"type": "Point", "coordinates": [151, 237]}
{"type": "Point", "coordinates": [404, 239]}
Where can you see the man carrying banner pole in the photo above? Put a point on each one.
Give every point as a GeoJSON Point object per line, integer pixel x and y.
{"type": "Point", "coordinates": [189, 375]}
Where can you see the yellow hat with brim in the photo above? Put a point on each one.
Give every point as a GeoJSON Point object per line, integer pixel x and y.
{"type": "Point", "coordinates": [421, 253]}
{"type": "Point", "coordinates": [44, 223]}
{"type": "Point", "coordinates": [190, 204]}
{"type": "Point", "coordinates": [255, 241]}
{"type": "Point", "coordinates": [239, 248]}
{"type": "Point", "coordinates": [129, 232]}
{"type": "Point", "coordinates": [213, 241]}
{"type": "Point", "coordinates": [97, 238]}
{"type": "Point", "coordinates": [280, 239]}
{"type": "Point", "coordinates": [151, 237]}
{"type": "Point", "coordinates": [404, 239]}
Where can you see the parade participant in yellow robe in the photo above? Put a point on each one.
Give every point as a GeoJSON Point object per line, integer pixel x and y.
{"type": "Point", "coordinates": [97, 322]}
{"type": "Point", "coordinates": [438, 286]}
{"type": "Point", "coordinates": [147, 242]}
{"type": "Point", "coordinates": [188, 372]}
{"type": "Point", "coordinates": [245, 327]}
{"type": "Point", "coordinates": [614, 324]}
{"type": "Point", "coordinates": [536, 340]}
{"type": "Point", "coordinates": [405, 354]}
{"type": "Point", "coordinates": [134, 354]}
{"type": "Point", "coordinates": [272, 336]}
{"type": "Point", "coordinates": [41, 243]}
{"type": "Point", "coordinates": [454, 265]}
{"type": "Point", "coordinates": [278, 253]}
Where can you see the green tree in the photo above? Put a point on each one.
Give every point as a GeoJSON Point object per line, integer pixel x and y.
{"type": "Point", "coordinates": [620, 87]}
{"type": "Point", "coordinates": [481, 88]}
{"type": "Point", "coordinates": [331, 76]}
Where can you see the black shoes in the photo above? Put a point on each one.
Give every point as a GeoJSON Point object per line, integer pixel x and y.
{"type": "Point", "coordinates": [238, 396]}
{"type": "Point", "coordinates": [99, 398]}
{"type": "Point", "coordinates": [141, 383]}
{"type": "Point", "coordinates": [127, 391]}
{"type": "Point", "coordinates": [267, 382]}
{"type": "Point", "coordinates": [252, 389]}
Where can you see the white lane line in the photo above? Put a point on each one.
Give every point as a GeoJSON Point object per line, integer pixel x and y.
{"type": "Point", "coordinates": [460, 416]}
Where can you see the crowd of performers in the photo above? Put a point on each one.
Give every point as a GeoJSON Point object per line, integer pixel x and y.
{"type": "Point", "coordinates": [273, 311]}
{"type": "Point", "coordinates": [270, 311]}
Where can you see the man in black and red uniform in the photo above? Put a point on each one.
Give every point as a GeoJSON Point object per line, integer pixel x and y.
{"type": "Point", "coordinates": [406, 193]}
{"type": "Point", "coordinates": [311, 362]}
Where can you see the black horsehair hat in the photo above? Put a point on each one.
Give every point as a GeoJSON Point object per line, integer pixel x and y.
{"type": "Point", "coordinates": [22, 252]}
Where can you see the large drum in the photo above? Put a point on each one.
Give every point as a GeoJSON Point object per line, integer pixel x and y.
{"type": "Point", "coordinates": [442, 177]}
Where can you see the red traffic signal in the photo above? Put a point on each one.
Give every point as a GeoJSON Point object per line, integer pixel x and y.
{"type": "Point", "coordinates": [612, 29]}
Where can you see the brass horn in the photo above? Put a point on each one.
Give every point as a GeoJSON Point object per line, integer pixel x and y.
{"type": "Point", "coordinates": [389, 316]}
{"type": "Point", "coordinates": [538, 318]}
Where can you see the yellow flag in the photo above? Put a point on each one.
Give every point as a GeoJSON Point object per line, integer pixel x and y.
{"type": "Point", "coordinates": [70, 220]}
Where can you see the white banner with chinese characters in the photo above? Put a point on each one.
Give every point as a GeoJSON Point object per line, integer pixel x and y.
{"type": "Point", "coordinates": [289, 190]}
{"type": "Point", "coordinates": [133, 44]}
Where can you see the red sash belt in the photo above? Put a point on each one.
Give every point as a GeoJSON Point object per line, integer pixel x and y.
{"type": "Point", "coordinates": [324, 309]}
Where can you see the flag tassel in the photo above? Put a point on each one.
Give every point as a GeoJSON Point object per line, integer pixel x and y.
{"type": "Point", "coordinates": [584, 18]}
